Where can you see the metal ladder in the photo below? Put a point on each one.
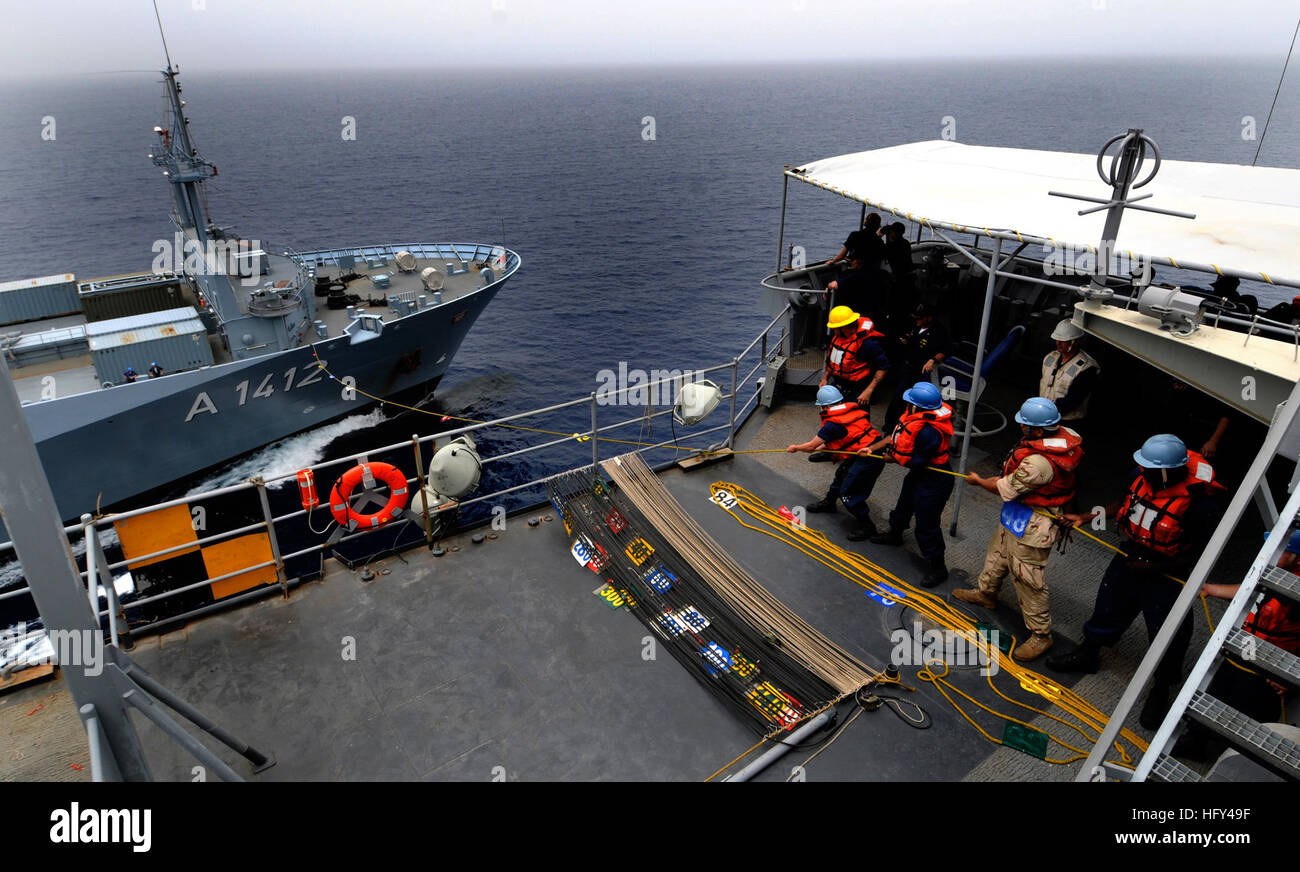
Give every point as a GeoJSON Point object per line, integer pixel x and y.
{"type": "Point", "coordinates": [1194, 704]}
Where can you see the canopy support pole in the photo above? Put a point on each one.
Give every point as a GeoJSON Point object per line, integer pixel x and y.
{"type": "Point", "coordinates": [780, 239]}
{"type": "Point", "coordinates": [994, 266]}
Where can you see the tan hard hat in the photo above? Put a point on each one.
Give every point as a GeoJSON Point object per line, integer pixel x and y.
{"type": "Point", "coordinates": [1066, 330]}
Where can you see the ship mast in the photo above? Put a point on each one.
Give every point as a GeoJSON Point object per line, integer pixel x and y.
{"type": "Point", "coordinates": [174, 151]}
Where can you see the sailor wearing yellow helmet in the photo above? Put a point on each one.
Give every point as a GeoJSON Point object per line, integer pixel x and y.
{"type": "Point", "coordinates": [856, 362]}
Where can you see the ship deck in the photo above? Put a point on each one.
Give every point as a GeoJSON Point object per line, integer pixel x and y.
{"type": "Point", "coordinates": [497, 661]}
{"type": "Point", "coordinates": [75, 374]}
{"type": "Point", "coordinates": [403, 284]}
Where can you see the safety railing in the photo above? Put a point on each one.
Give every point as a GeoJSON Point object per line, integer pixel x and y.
{"type": "Point", "coordinates": [740, 403]}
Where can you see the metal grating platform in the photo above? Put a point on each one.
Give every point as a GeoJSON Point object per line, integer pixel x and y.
{"type": "Point", "coordinates": [1282, 582]}
{"type": "Point", "coordinates": [1252, 738]}
{"type": "Point", "coordinates": [1259, 652]}
{"type": "Point", "coordinates": [1170, 770]}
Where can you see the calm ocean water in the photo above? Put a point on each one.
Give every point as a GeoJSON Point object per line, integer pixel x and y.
{"type": "Point", "coordinates": [645, 251]}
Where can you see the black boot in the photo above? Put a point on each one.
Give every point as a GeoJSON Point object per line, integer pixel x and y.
{"type": "Point", "coordinates": [821, 457]}
{"type": "Point", "coordinates": [891, 536]}
{"type": "Point", "coordinates": [1156, 707]}
{"type": "Point", "coordinates": [1082, 659]}
{"type": "Point", "coordinates": [936, 575]}
{"type": "Point", "coordinates": [827, 503]}
{"type": "Point", "coordinates": [864, 529]}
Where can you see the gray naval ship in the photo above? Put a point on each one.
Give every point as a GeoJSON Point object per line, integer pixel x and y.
{"type": "Point", "coordinates": [239, 332]}
{"type": "Point", "coordinates": [726, 628]}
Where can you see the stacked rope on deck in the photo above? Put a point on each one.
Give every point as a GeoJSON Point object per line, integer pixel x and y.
{"type": "Point", "coordinates": [761, 682]}
{"type": "Point", "coordinates": [742, 504]}
{"type": "Point", "coordinates": [639, 486]}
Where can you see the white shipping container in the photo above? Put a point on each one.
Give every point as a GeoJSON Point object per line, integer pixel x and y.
{"type": "Point", "coordinates": [34, 299]}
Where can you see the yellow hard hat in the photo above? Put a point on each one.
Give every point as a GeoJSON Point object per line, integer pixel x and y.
{"type": "Point", "coordinates": [842, 315]}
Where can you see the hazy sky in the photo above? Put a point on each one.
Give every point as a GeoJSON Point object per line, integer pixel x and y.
{"type": "Point", "coordinates": [50, 36]}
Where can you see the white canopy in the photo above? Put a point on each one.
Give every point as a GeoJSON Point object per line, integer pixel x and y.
{"type": "Point", "coordinates": [1247, 218]}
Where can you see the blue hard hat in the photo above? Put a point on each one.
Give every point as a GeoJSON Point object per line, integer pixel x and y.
{"type": "Point", "coordinates": [1165, 451]}
{"type": "Point", "coordinates": [1038, 412]}
{"type": "Point", "coordinates": [828, 395]}
{"type": "Point", "coordinates": [1293, 544]}
{"type": "Point", "coordinates": [155, 363]}
{"type": "Point", "coordinates": [923, 395]}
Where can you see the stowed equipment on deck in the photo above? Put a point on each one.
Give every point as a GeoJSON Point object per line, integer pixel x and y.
{"type": "Point", "coordinates": [735, 638]}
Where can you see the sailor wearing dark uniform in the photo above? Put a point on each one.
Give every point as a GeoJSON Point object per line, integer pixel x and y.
{"type": "Point", "coordinates": [1168, 514]}
{"type": "Point", "coordinates": [130, 375]}
{"type": "Point", "coordinates": [845, 428]}
{"type": "Point", "coordinates": [856, 362]}
{"type": "Point", "coordinates": [155, 370]}
{"type": "Point", "coordinates": [921, 441]}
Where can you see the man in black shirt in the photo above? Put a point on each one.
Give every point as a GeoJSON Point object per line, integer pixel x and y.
{"type": "Point", "coordinates": [864, 245]}
{"type": "Point", "coordinates": [924, 347]}
{"type": "Point", "coordinates": [860, 289]}
{"type": "Point", "coordinates": [898, 251]}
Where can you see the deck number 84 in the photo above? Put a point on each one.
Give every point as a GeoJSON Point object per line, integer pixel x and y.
{"type": "Point", "coordinates": [724, 498]}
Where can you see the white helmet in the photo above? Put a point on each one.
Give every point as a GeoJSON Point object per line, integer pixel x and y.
{"type": "Point", "coordinates": [1066, 330]}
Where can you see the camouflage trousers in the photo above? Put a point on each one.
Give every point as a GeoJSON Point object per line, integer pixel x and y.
{"type": "Point", "coordinates": [1007, 554]}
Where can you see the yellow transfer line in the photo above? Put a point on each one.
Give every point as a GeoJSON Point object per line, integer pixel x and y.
{"type": "Point", "coordinates": [707, 452]}
{"type": "Point", "coordinates": [862, 572]}
{"type": "Point", "coordinates": [869, 576]}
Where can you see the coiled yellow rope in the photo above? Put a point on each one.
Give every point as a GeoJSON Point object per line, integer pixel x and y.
{"type": "Point", "coordinates": [871, 577]}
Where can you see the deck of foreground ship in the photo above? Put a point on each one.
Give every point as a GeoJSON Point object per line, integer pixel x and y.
{"type": "Point", "coordinates": [496, 661]}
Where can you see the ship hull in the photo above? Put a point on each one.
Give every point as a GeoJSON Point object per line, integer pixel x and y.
{"type": "Point", "coordinates": [103, 447]}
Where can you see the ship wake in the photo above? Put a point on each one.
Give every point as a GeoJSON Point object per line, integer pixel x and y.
{"type": "Point", "coordinates": [287, 455]}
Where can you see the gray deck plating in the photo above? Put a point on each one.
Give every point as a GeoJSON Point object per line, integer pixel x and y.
{"type": "Point", "coordinates": [497, 661]}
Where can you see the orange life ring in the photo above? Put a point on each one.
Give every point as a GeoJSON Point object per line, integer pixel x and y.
{"type": "Point", "coordinates": [340, 496]}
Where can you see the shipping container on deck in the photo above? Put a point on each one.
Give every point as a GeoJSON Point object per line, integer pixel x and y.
{"type": "Point", "coordinates": [175, 338]}
{"type": "Point", "coordinates": [123, 296]}
{"type": "Point", "coordinates": [34, 299]}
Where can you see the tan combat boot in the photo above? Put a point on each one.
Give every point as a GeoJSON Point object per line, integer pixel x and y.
{"type": "Point", "coordinates": [977, 597]}
{"type": "Point", "coordinates": [1036, 647]}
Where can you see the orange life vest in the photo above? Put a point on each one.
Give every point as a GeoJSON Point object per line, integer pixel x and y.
{"type": "Point", "coordinates": [842, 355]}
{"type": "Point", "coordinates": [1277, 622]}
{"type": "Point", "coordinates": [909, 427]}
{"type": "Point", "coordinates": [1063, 449]}
{"type": "Point", "coordinates": [853, 418]}
{"type": "Point", "coordinates": [1154, 519]}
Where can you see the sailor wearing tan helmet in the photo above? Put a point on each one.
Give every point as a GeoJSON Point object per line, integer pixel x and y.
{"type": "Point", "coordinates": [1069, 374]}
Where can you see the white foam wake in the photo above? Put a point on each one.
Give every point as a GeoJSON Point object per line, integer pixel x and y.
{"type": "Point", "coordinates": [287, 455]}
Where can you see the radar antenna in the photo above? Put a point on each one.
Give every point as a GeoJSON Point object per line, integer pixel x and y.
{"type": "Point", "coordinates": [1125, 168]}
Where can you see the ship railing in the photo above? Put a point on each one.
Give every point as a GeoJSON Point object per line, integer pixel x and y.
{"type": "Point", "coordinates": [740, 400]}
{"type": "Point", "coordinates": [467, 252]}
